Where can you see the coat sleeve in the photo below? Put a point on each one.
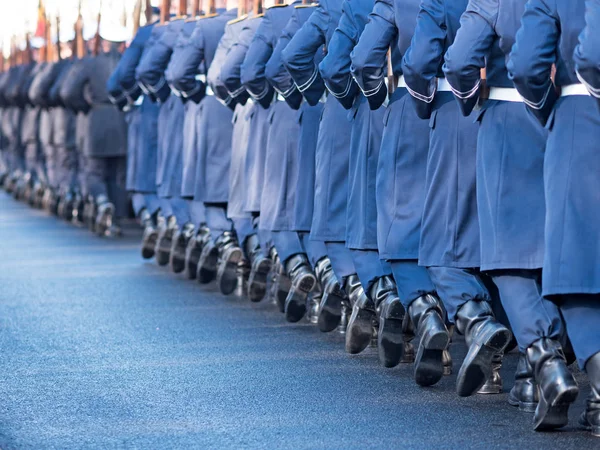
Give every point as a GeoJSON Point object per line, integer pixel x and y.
{"type": "Point", "coordinates": [40, 87]}
{"type": "Point", "coordinates": [335, 67]}
{"type": "Point", "coordinates": [73, 85]}
{"type": "Point", "coordinates": [299, 56]}
{"type": "Point", "coordinates": [530, 62]}
{"type": "Point", "coordinates": [369, 55]}
{"type": "Point", "coordinates": [213, 76]}
{"type": "Point", "coordinates": [425, 55]}
{"type": "Point", "coordinates": [184, 70]}
{"type": "Point", "coordinates": [151, 70]}
{"type": "Point", "coordinates": [231, 70]}
{"type": "Point", "coordinates": [255, 62]}
{"type": "Point", "coordinates": [587, 53]}
{"type": "Point", "coordinates": [467, 55]}
{"type": "Point", "coordinates": [276, 72]}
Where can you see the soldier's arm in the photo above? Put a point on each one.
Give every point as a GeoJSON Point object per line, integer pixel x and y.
{"type": "Point", "coordinates": [72, 87]}
{"type": "Point", "coordinates": [299, 56]}
{"type": "Point", "coordinates": [231, 70]}
{"type": "Point", "coordinates": [467, 55]}
{"type": "Point", "coordinates": [151, 70]}
{"type": "Point", "coordinates": [40, 87]}
{"type": "Point", "coordinates": [183, 72]}
{"type": "Point", "coordinates": [335, 67]}
{"type": "Point", "coordinates": [424, 56]}
{"type": "Point", "coordinates": [276, 72]}
{"type": "Point", "coordinates": [122, 87]}
{"type": "Point", "coordinates": [369, 55]}
{"type": "Point", "coordinates": [532, 56]}
{"type": "Point", "coordinates": [213, 76]}
{"type": "Point", "coordinates": [253, 68]}
{"type": "Point", "coordinates": [587, 53]}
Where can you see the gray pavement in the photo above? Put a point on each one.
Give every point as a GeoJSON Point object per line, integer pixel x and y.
{"type": "Point", "coordinates": [100, 349]}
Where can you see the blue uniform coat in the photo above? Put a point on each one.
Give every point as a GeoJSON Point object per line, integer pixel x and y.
{"type": "Point", "coordinates": [510, 180]}
{"type": "Point", "coordinates": [400, 187]}
{"type": "Point", "coordinates": [450, 225]}
{"type": "Point", "coordinates": [548, 35]}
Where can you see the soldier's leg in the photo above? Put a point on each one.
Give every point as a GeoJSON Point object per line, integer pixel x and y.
{"type": "Point", "coordinates": [425, 315]}
{"type": "Point", "coordinates": [117, 177]}
{"type": "Point", "coordinates": [257, 251]}
{"type": "Point", "coordinates": [200, 237]}
{"type": "Point", "coordinates": [582, 316]}
{"type": "Point", "coordinates": [233, 268]}
{"type": "Point", "coordinates": [381, 305]}
{"type": "Point", "coordinates": [138, 203]}
{"type": "Point", "coordinates": [467, 302]}
{"type": "Point", "coordinates": [532, 317]}
{"type": "Point", "coordinates": [183, 234]}
{"type": "Point", "coordinates": [222, 236]}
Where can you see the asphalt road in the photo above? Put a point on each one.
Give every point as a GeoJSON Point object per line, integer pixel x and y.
{"type": "Point", "coordinates": [100, 349]}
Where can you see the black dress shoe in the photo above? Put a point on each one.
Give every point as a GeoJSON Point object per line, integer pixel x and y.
{"type": "Point", "coordinates": [303, 281]}
{"type": "Point", "coordinates": [164, 241]}
{"type": "Point", "coordinates": [260, 266]}
{"type": "Point", "coordinates": [151, 229]}
{"type": "Point", "coordinates": [524, 393]}
{"type": "Point", "coordinates": [590, 418]}
{"type": "Point", "coordinates": [390, 314]}
{"type": "Point", "coordinates": [229, 265]}
{"type": "Point", "coordinates": [332, 296]}
{"type": "Point", "coordinates": [493, 385]}
{"type": "Point", "coordinates": [557, 388]}
{"type": "Point", "coordinates": [194, 250]}
{"type": "Point", "coordinates": [178, 247]}
{"type": "Point", "coordinates": [485, 337]}
{"type": "Point", "coordinates": [105, 217]}
{"type": "Point", "coordinates": [426, 315]}
{"type": "Point", "coordinates": [359, 331]}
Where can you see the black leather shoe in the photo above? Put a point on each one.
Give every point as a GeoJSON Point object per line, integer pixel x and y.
{"type": "Point", "coordinates": [557, 388]}
{"type": "Point", "coordinates": [590, 418]}
{"type": "Point", "coordinates": [164, 241]}
{"type": "Point", "coordinates": [230, 262]}
{"type": "Point", "coordinates": [78, 210]}
{"type": "Point", "coordinates": [390, 314]}
{"type": "Point", "coordinates": [150, 235]}
{"type": "Point", "coordinates": [281, 285]}
{"type": "Point", "coordinates": [194, 250]}
{"type": "Point", "coordinates": [104, 217]}
{"type": "Point", "coordinates": [303, 281]}
{"type": "Point", "coordinates": [493, 385]}
{"type": "Point", "coordinates": [485, 337]}
{"type": "Point", "coordinates": [260, 266]}
{"type": "Point", "coordinates": [359, 331]}
{"type": "Point", "coordinates": [332, 295]}
{"type": "Point", "coordinates": [178, 246]}
{"type": "Point", "coordinates": [209, 258]}
{"type": "Point", "coordinates": [65, 206]}
{"type": "Point", "coordinates": [524, 393]}
{"type": "Point", "coordinates": [427, 317]}
{"type": "Point", "coordinates": [90, 213]}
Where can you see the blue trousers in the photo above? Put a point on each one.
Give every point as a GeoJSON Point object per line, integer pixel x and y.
{"type": "Point", "coordinates": [412, 280]}
{"type": "Point", "coordinates": [180, 209]}
{"type": "Point", "coordinates": [287, 244]}
{"type": "Point", "coordinates": [456, 286]}
{"type": "Point", "coordinates": [581, 313]}
{"type": "Point", "coordinates": [141, 200]}
{"type": "Point", "coordinates": [369, 267]}
{"type": "Point", "coordinates": [531, 316]}
{"type": "Point", "coordinates": [243, 228]}
{"type": "Point", "coordinates": [315, 250]}
{"type": "Point", "coordinates": [197, 212]}
{"type": "Point", "coordinates": [216, 219]}
{"type": "Point", "coordinates": [341, 259]}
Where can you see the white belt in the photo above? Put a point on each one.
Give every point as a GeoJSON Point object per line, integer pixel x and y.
{"type": "Point", "coordinates": [401, 82]}
{"type": "Point", "coordinates": [279, 97]}
{"type": "Point", "coordinates": [573, 89]}
{"type": "Point", "coordinates": [505, 94]}
{"type": "Point", "coordinates": [443, 85]}
{"type": "Point", "coordinates": [139, 101]}
{"type": "Point", "coordinates": [209, 90]}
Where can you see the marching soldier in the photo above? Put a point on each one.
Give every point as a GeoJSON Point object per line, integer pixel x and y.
{"type": "Point", "coordinates": [258, 243]}
{"type": "Point", "coordinates": [142, 118]}
{"type": "Point", "coordinates": [449, 245]}
{"type": "Point", "coordinates": [278, 191]}
{"type": "Point", "coordinates": [571, 276]}
{"type": "Point", "coordinates": [381, 298]}
{"type": "Point", "coordinates": [208, 169]}
{"type": "Point", "coordinates": [510, 183]}
{"type": "Point", "coordinates": [401, 186]}
{"type": "Point", "coordinates": [150, 74]}
{"type": "Point", "coordinates": [104, 134]}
